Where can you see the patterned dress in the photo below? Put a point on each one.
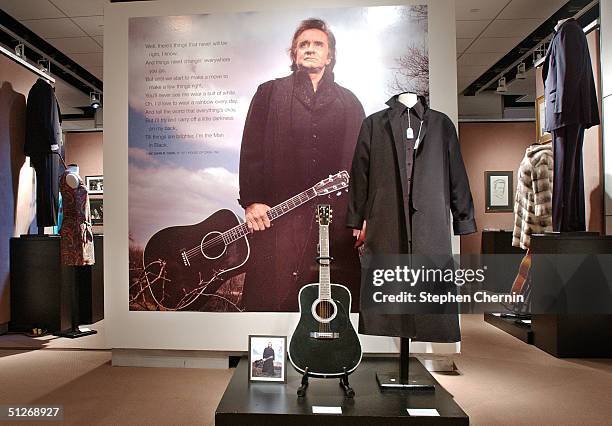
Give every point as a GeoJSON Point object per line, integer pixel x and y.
{"type": "Point", "coordinates": [77, 247]}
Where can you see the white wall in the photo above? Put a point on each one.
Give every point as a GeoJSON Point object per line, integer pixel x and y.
{"type": "Point", "coordinates": [605, 7]}
{"type": "Point", "coordinates": [201, 330]}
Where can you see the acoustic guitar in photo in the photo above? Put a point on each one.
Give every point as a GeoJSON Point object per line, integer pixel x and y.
{"type": "Point", "coordinates": [324, 343]}
{"type": "Point", "coordinates": [181, 263]}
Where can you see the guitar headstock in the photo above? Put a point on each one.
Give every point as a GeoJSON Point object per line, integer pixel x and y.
{"type": "Point", "coordinates": [324, 214]}
{"type": "Point", "coordinates": [333, 183]}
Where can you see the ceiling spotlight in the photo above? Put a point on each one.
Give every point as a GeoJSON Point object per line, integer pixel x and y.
{"type": "Point", "coordinates": [44, 65]}
{"type": "Point", "coordinates": [521, 73]}
{"type": "Point", "coordinates": [501, 85]}
{"type": "Point", "coordinates": [20, 50]}
{"type": "Point", "coordinates": [96, 99]}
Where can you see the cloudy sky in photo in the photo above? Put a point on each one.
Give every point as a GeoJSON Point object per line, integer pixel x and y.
{"type": "Point", "coordinates": [184, 189]}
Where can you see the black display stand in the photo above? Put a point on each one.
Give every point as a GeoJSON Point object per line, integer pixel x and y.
{"type": "Point", "coordinates": [511, 325]}
{"type": "Point", "coordinates": [254, 404]}
{"type": "Point", "coordinates": [80, 275]}
{"type": "Point", "coordinates": [574, 336]}
{"type": "Point", "coordinates": [401, 379]}
{"type": "Point", "coordinates": [41, 287]}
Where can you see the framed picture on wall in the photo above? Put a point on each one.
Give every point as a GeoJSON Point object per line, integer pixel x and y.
{"type": "Point", "coordinates": [268, 359]}
{"type": "Point", "coordinates": [542, 135]}
{"type": "Point", "coordinates": [499, 196]}
{"type": "Point", "coordinates": [95, 184]}
{"type": "Point", "coordinates": [96, 207]}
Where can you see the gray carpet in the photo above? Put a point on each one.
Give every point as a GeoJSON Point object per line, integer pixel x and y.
{"type": "Point", "coordinates": [501, 381]}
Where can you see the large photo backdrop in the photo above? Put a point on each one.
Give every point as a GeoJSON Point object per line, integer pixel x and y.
{"type": "Point", "coordinates": [248, 111]}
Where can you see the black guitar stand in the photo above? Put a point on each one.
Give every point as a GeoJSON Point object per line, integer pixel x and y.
{"type": "Point", "coordinates": [344, 384]}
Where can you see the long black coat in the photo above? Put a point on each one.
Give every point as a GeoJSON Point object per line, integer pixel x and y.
{"type": "Point", "coordinates": [379, 194]}
{"type": "Point", "coordinates": [569, 87]}
{"type": "Point", "coordinates": [293, 138]}
{"type": "Point", "coordinates": [42, 144]}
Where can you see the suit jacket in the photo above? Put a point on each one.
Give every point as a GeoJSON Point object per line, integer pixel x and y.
{"type": "Point", "coordinates": [43, 131]}
{"type": "Point", "coordinates": [569, 87]}
{"type": "Point", "coordinates": [379, 193]}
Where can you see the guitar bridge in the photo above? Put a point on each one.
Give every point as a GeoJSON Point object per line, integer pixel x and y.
{"type": "Point", "coordinates": [324, 335]}
{"type": "Point", "coordinates": [185, 258]}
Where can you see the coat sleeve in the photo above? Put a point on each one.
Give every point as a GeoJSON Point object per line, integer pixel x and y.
{"type": "Point", "coordinates": [462, 206]}
{"type": "Point", "coordinates": [360, 171]}
{"type": "Point", "coordinates": [252, 157]}
{"type": "Point", "coordinates": [354, 119]}
{"type": "Point", "coordinates": [568, 66]}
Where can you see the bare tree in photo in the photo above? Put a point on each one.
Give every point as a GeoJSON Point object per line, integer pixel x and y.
{"type": "Point", "coordinates": [412, 73]}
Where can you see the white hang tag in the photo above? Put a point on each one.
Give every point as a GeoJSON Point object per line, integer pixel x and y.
{"type": "Point", "coordinates": [409, 133]}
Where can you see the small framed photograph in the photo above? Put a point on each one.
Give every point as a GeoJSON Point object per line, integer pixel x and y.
{"type": "Point", "coordinates": [95, 184]}
{"type": "Point", "coordinates": [542, 135]}
{"type": "Point", "coordinates": [499, 194]}
{"type": "Point", "coordinates": [268, 358]}
{"type": "Point", "coordinates": [96, 208]}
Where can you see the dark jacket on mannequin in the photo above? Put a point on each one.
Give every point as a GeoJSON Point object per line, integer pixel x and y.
{"type": "Point", "coordinates": [43, 131]}
{"type": "Point", "coordinates": [42, 144]}
{"type": "Point", "coordinates": [569, 87]}
{"type": "Point", "coordinates": [380, 194]}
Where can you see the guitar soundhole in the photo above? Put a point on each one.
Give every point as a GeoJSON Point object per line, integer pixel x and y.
{"type": "Point", "coordinates": [324, 310]}
{"type": "Point", "coordinates": [212, 245]}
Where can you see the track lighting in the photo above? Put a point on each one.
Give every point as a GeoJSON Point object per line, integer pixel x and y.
{"type": "Point", "coordinates": [521, 73]}
{"type": "Point", "coordinates": [501, 85]}
{"type": "Point", "coordinates": [20, 50]}
{"type": "Point", "coordinates": [96, 99]}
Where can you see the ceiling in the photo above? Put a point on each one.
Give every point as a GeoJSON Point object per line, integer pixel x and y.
{"type": "Point", "coordinates": [486, 31]}
{"type": "Point", "coordinates": [75, 28]}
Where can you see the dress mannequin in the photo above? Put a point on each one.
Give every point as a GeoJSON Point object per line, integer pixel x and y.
{"type": "Point", "coordinates": [76, 244]}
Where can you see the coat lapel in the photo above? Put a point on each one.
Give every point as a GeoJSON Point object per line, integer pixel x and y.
{"type": "Point", "coordinates": [399, 141]}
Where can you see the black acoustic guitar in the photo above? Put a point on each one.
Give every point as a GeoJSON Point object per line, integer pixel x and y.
{"type": "Point", "coordinates": [182, 263]}
{"type": "Point", "coordinates": [324, 341]}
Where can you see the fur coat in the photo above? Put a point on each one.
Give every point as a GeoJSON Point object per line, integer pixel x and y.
{"type": "Point", "coordinates": [533, 200]}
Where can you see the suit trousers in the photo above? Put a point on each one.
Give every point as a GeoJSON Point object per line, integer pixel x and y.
{"type": "Point", "coordinates": [568, 187]}
{"type": "Point", "coordinates": [47, 188]}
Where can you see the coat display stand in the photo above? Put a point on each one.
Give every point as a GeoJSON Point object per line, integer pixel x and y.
{"type": "Point", "coordinates": [402, 379]}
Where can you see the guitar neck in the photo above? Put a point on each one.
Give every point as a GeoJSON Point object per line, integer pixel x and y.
{"type": "Point", "coordinates": [275, 212]}
{"type": "Point", "coordinates": [324, 279]}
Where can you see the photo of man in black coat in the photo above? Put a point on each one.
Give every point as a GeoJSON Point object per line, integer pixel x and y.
{"type": "Point", "coordinates": [299, 129]}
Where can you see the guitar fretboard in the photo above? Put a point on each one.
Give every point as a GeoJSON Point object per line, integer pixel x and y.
{"type": "Point", "coordinates": [324, 280]}
{"type": "Point", "coordinates": [275, 212]}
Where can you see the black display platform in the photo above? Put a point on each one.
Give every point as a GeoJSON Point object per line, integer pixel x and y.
{"type": "Point", "coordinates": [511, 326]}
{"type": "Point", "coordinates": [245, 403]}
